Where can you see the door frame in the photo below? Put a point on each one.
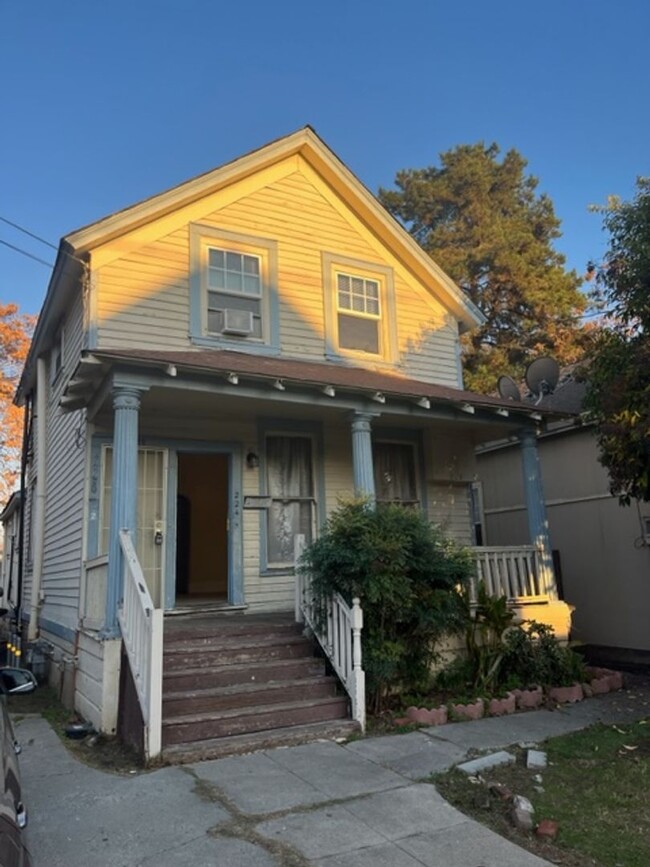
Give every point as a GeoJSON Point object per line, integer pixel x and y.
{"type": "Point", "coordinates": [233, 451]}
{"type": "Point", "coordinates": [235, 501]}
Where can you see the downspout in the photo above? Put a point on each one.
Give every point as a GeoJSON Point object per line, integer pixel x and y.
{"type": "Point", "coordinates": [38, 518]}
{"type": "Point", "coordinates": [21, 525]}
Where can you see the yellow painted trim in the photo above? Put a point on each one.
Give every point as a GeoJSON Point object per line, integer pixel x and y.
{"type": "Point", "coordinates": [121, 246]}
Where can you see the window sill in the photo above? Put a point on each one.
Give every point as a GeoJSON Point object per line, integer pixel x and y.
{"type": "Point", "coordinates": [281, 570]}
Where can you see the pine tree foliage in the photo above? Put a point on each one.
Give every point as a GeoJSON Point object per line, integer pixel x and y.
{"type": "Point", "coordinates": [481, 219]}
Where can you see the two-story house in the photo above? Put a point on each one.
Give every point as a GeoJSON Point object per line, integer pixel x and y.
{"type": "Point", "coordinates": [214, 368]}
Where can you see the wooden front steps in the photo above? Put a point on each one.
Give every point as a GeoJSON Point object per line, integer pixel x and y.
{"type": "Point", "coordinates": [237, 683]}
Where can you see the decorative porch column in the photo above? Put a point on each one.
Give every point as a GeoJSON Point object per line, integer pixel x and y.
{"type": "Point", "coordinates": [536, 509]}
{"type": "Point", "coordinates": [124, 495]}
{"type": "Point", "coordinates": [364, 476]}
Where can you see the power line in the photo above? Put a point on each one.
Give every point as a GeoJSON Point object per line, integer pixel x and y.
{"type": "Point", "coordinates": [25, 253]}
{"type": "Point", "coordinates": [27, 232]}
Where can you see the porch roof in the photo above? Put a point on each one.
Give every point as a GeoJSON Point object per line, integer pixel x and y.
{"type": "Point", "coordinates": [380, 384]}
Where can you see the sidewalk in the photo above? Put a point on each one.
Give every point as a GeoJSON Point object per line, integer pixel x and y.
{"type": "Point", "coordinates": [326, 804]}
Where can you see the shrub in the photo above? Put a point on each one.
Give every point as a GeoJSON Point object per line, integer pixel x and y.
{"type": "Point", "coordinates": [408, 578]}
{"type": "Point", "coordinates": [535, 657]}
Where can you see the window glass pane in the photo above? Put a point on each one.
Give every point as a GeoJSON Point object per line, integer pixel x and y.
{"type": "Point", "coordinates": [218, 301]}
{"type": "Point", "coordinates": [233, 261]}
{"type": "Point", "coordinates": [215, 321]}
{"type": "Point", "coordinates": [251, 284]}
{"type": "Point", "coordinates": [215, 258]}
{"type": "Point", "coordinates": [372, 307]}
{"type": "Point", "coordinates": [343, 282]}
{"type": "Point", "coordinates": [285, 521]}
{"type": "Point", "coordinates": [215, 278]}
{"type": "Point", "coordinates": [251, 265]}
{"type": "Point", "coordinates": [358, 304]}
{"type": "Point", "coordinates": [372, 289]}
{"type": "Point", "coordinates": [355, 332]}
{"type": "Point", "coordinates": [289, 474]}
{"type": "Point", "coordinates": [394, 468]}
{"type": "Point", "coordinates": [233, 282]}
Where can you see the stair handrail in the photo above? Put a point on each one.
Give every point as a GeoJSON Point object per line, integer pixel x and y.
{"type": "Point", "coordinates": [142, 632]}
{"type": "Point", "coordinates": [337, 628]}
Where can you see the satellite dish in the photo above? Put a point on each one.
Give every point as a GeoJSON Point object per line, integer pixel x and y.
{"type": "Point", "coordinates": [508, 388]}
{"type": "Point", "coordinates": [542, 376]}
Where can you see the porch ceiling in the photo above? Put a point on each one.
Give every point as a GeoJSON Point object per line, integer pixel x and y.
{"type": "Point", "coordinates": [179, 384]}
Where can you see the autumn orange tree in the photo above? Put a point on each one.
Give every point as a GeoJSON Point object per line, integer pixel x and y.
{"type": "Point", "coordinates": [15, 336]}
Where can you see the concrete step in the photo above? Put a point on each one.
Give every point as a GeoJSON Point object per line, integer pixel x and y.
{"type": "Point", "coordinates": [236, 721]}
{"type": "Point", "coordinates": [215, 748]}
{"type": "Point", "coordinates": [254, 672]}
{"type": "Point", "coordinates": [192, 701]}
{"type": "Point", "coordinates": [247, 649]}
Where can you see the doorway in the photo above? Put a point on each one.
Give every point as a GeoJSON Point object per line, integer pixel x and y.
{"type": "Point", "coordinates": [202, 557]}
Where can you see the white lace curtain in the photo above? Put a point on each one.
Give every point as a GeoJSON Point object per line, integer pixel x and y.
{"type": "Point", "coordinates": [290, 484]}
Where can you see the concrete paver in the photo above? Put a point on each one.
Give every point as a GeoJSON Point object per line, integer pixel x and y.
{"type": "Point", "coordinates": [334, 805]}
{"type": "Point", "coordinates": [414, 755]}
{"type": "Point", "coordinates": [257, 784]}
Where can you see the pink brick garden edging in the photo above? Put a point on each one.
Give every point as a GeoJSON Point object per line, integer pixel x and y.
{"type": "Point", "coordinates": [602, 680]}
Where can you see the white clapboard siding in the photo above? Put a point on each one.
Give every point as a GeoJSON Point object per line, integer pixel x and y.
{"type": "Point", "coordinates": [65, 465]}
{"type": "Point", "coordinates": [143, 297]}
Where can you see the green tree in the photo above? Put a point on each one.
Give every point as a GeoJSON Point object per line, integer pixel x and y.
{"type": "Point", "coordinates": [483, 222]}
{"type": "Point", "coordinates": [618, 396]}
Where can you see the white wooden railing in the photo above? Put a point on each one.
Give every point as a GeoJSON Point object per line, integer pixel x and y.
{"type": "Point", "coordinates": [339, 636]}
{"type": "Point", "coordinates": [508, 571]}
{"type": "Point", "coordinates": [142, 631]}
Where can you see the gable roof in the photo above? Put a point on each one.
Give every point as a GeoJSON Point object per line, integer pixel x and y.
{"type": "Point", "coordinates": [74, 248]}
{"type": "Point", "coordinates": [308, 144]}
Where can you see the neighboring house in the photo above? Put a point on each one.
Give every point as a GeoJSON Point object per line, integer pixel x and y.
{"type": "Point", "coordinates": [9, 576]}
{"type": "Point", "coordinates": [603, 549]}
{"type": "Point", "coordinates": [212, 370]}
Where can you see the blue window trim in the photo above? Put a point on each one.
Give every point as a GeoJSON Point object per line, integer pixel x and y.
{"type": "Point", "coordinates": [268, 249]}
{"type": "Point", "coordinates": [236, 594]}
{"type": "Point", "coordinates": [283, 427]}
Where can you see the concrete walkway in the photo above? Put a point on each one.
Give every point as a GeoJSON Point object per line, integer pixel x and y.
{"type": "Point", "coordinates": [332, 805]}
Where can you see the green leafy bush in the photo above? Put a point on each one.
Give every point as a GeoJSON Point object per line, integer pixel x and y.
{"type": "Point", "coordinates": [408, 578]}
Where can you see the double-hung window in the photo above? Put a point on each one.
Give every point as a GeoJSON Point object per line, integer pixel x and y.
{"type": "Point", "coordinates": [233, 283]}
{"type": "Point", "coordinates": [234, 293]}
{"type": "Point", "coordinates": [359, 304]}
{"type": "Point", "coordinates": [359, 313]}
{"type": "Point", "coordinates": [395, 473]}
{"type": "Point", "coordinates": [290, 484]}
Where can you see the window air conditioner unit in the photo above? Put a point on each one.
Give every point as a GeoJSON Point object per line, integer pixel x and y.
{"type": "Point", "coordinates": [238, 322]}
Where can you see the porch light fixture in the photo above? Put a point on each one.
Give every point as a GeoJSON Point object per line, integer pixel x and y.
{"type": "Point", "coordinates": [233, 378]}
{"type": "Point", "coordinates": [279, 385]}
{"type": "Point", "coordinates": [424, 402]}
{"type": "Point", "coordinates": [252, 461]}
{"type": "Point", "coordinates": [502, 411]}
{"type": "Point", "coordinates": [329, 390]}
{"type": "Point", "coordinates": [378, 397]}
{"type": "Point", "coordinates": [170, 370]}
{"type": "Point", "coordinates": [467, 407]}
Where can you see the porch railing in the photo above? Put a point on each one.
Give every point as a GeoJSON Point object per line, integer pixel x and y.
{"type": "Point", "coordinates": [142, 631]}
{"type": "Point", "coordinates": [338, 633]}
{"type": "Point", "coordinates": [514, 572]}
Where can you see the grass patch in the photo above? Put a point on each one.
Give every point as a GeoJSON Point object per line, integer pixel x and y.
{"type": "Point", "coordinates": [596, 787]}
{"type": "Point", "coordinates": [99, 751]}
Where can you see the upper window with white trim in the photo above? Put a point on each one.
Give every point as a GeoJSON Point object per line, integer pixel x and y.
{"type": "Point", "coordinates": [233, 288]}
{"type": "Point", "coordinates": [359, 313]}
{"type": "Point", "coordinates": [359, 309]}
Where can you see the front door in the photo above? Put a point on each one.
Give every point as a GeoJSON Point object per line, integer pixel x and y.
{"type": "Point", "coordinates": [202, 501]}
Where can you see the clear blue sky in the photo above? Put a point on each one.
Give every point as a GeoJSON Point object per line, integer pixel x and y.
{"type": "Point", "coordinates": [106, 103]}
